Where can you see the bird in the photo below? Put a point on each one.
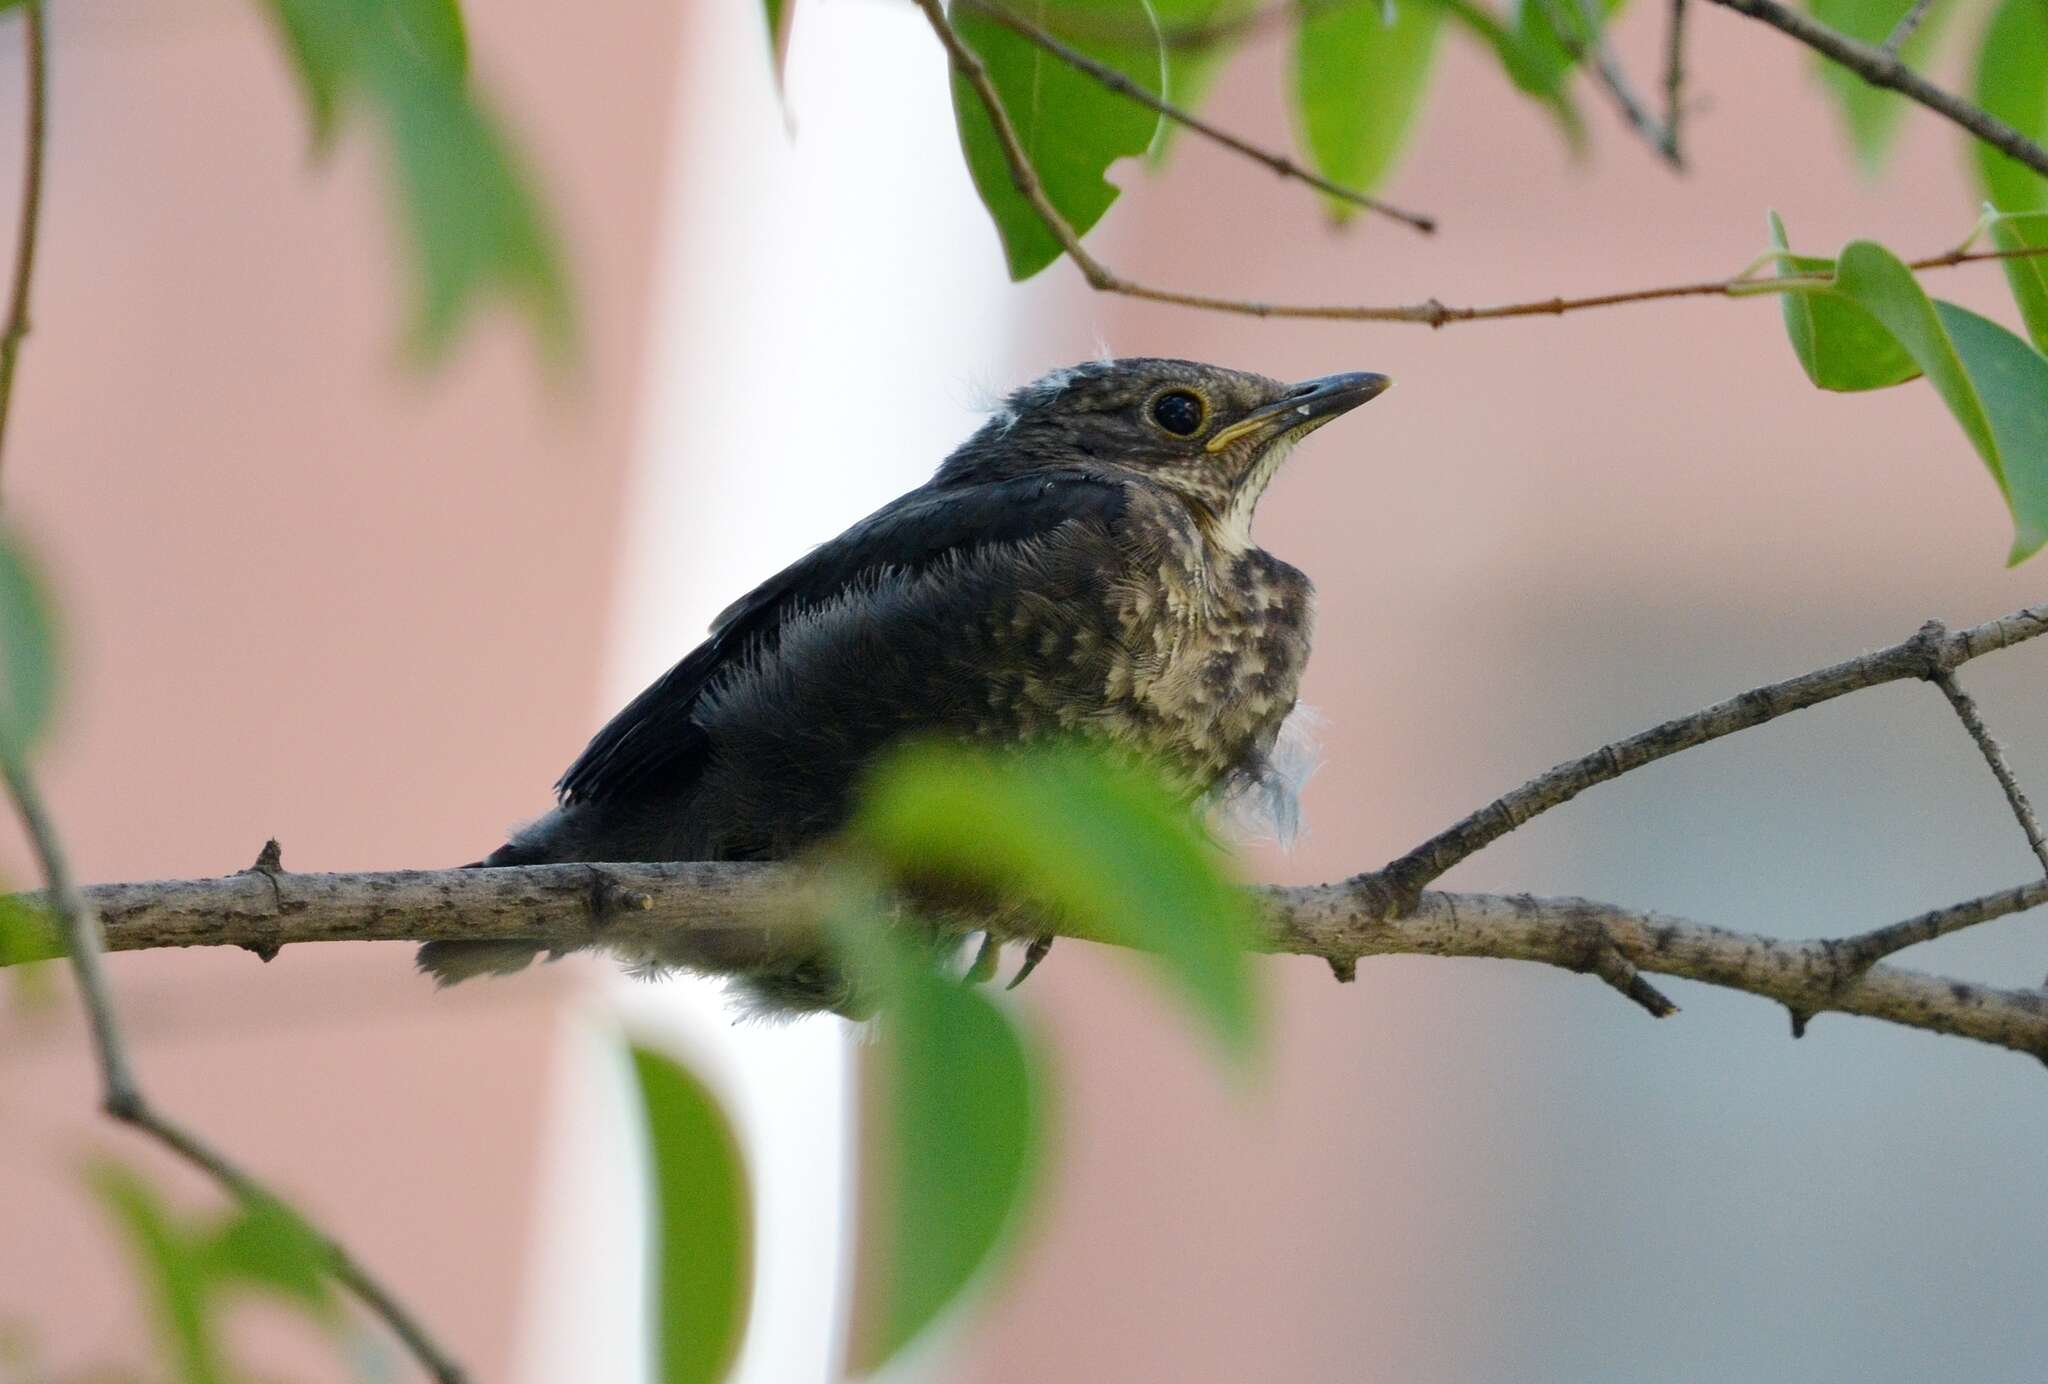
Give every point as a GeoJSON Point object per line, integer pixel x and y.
{"type": "Point", "coordinates": [1081, 566]}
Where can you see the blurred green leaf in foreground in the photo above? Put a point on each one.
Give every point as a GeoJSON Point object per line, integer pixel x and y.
{"type": "Point", "coordinates": [475, 223]}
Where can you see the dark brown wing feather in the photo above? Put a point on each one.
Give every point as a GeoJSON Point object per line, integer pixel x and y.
{"type": "Point", "coordinates": [655, 745]}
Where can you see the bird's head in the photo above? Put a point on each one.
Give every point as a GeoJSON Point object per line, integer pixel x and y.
{"type": "Point", "coordinates": [1211, 436]}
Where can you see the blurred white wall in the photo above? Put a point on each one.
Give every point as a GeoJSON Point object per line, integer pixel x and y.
{"type": "Point", "coordinates": [832, 314]}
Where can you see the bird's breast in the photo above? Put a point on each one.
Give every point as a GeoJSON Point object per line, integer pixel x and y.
{"type": "Point", "coordinates": [1219, 649]}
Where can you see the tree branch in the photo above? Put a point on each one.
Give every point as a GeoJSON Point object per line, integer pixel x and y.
{"type": "Point", "coordinates": [1881, 68]}
{"type": "Point", "coordinates": [2023, 811]}
{"type": "Point", "coordinates": [1429, 313]}
{"type": "Point", "coordinates": [1584, 36]}
{"type": "Point", "coordinates": [758, 911]}
{"type": "Point", "coordinates": [750, 915]}
{"type": "Point", "coordinates": [1931, 653]}
{"type": "Point", "coordinates": [1123, 86]}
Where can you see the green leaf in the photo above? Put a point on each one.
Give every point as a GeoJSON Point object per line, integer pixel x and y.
{"type": "Point", "coordinates": [1536, 65]}
{"type": "Point", "coordinates": [1995, 384]}
{"type": "Point", "coordinates": [703, 1248]}
{"type": "Point", "coordinates": [965, 1110]}
{"type": "Point", "coordinates": [1099, 844]}
{"type": "Point", "coordinates": [1543, 49]}
{"type": "Point", "coordinates": [28, 634]}
{"type": "Point", "coordinates": [2010, 379]}
{"type": "Point", "coordinates": [171, 1265]}
{"type": "Point", "coordinates": [435, 30]}
{"type": "Point", "coordinates": [1358, 86]}
{"type": "Point", "coordinates": [1071, 127]}
{"type": "Point", "coordinates": [1839, 344]}
{"type": "Point", "coordinates": [2012, 84]}
{"type": "Point", "coordinates": [476, 226]}
{"type": "Point", "coordinates": [1871, 114]}
{"type": "Point", "coordinates": [2026, 275]}
{"type": "Point", "coordinates": [266, 1244]}
{"type": "Point", "coordinates": [778, 13]}
{"type": "Point", "coordinates": [319, 39]}
{"type": "Point", "coordinates": [29, 937]}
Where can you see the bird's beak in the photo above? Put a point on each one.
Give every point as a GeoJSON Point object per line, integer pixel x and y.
{"type": "Point", "coordinates": [1308, 405]}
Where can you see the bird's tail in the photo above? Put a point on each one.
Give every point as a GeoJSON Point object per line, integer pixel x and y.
{"type": "Point", "coordinates": [766, 986]}
{"type": "Point", "coordinates": [450, 962]}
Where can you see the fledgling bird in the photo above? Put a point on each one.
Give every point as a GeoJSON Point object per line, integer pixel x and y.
{"type": "Point", "coordinates": [1082, 565]}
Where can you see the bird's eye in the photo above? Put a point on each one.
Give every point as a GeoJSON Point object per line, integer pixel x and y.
{"type": "Point", "coordinates": [1179, 412]}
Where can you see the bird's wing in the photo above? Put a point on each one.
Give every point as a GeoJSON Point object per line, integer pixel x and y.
{"type": "Point", "coordinates": [656, 739]}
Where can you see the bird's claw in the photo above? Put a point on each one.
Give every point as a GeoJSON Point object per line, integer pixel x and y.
{"type": "Point", "coordinates": [1033, 954]}
{"type": "Point", "coordinates": [983, 968]}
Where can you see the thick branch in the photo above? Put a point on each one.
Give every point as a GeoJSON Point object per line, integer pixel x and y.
{"type": "Point", "coordinates": [1881, 68]}
{"type": "Point", "coordinates": [743, 916]}
{"type": "Point", "coordinates": [759, 911]}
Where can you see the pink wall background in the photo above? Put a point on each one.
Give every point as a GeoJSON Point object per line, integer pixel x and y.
{"type": "Point", "coordinates": [313, 598]}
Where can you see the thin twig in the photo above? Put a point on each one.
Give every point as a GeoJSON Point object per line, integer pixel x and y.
{"type": "Point", "coordinates": [1904, 29]}
{"type": "Point", "coordinates": [1856, 955]}
{"type": "Point", "coordinates": [1883, 69]}
{"type": "Point", "coordinates": [1123, 86]}
{"type": "Point", "coordinates": [1966, 711]}
{"type": "Point", "coordinates": [1587, 39]}
{"type": "Point", "coordinates": [1674, 79]}
{"type": "Point", "coordinates": [31, 207]}
{"type": "Point", "coordinates": [1429, 313]}
{"type": "Point", "coordinates": [1927, 654]}
{"type": "Point", "coordinates": [122, 1098]}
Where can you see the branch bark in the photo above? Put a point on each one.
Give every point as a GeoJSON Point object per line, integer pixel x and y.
{"type": "Point", "coordinates": [762, 910]}
{"type": "Point", "coordinates": [753, 913]}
